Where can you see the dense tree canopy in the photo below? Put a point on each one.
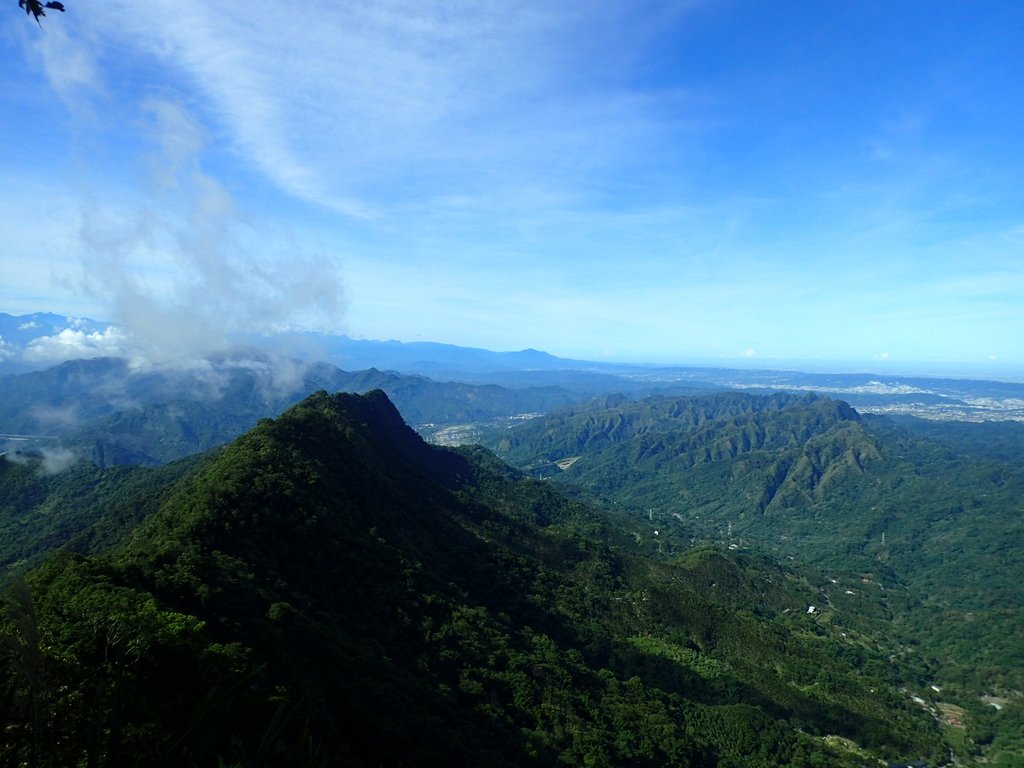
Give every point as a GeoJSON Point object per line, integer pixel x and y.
{"type": "Point", "coordinates": [329, 589]}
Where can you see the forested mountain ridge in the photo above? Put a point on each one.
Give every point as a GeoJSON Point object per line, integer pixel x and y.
{"type": "Point", "coordinates": [615, 419]}
{"type": "Point", "coordinates": [800, 475]}
{"type": "Point", "coordinates": [329, 589]}
{"type": "Point", "coordinates": [923, 518]}
{"type": "Point", "coordinates": [614, 445]}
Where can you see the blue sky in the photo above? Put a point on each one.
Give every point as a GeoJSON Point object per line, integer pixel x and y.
{"type": "Point", "coordinates": [818, 183]}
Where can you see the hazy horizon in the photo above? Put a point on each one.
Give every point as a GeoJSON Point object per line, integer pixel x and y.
{"type": "Point", "coordinates": [807, 186]}
{"type": "Point", "coordinates": [79, 340]}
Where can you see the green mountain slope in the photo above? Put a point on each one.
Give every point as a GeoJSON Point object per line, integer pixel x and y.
{"type": "Point", "coordinates": [614, 445]}
{"type": "Point", "coordinates": [923, 523]}
{"type": "Point", "coordinates": [329, 589]}
{"type": "Point", "coordinates": [83, 508]}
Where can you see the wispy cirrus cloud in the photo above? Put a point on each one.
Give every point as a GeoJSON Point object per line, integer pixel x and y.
{"type": "Point", "coordinates": [361, 106]}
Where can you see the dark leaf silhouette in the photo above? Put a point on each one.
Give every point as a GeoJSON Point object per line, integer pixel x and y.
{"type": "Point", "coordinates": [38, 9]}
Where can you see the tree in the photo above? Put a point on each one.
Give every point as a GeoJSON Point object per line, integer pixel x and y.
{"type": "Point", "coordinates": [38, 9]}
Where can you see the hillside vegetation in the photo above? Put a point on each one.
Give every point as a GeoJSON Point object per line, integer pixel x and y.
{"type": "Point", "coordinates": [921, 522]}
{"type": "Point", "coordinates": [329, 589]}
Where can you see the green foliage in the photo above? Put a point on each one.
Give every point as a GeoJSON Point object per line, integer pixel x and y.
{"type": "Point", "coordinates": [328, 589]}
{"type": "Point", "coordinates": [918, 525]}
{"type": "Point", "coordinates": [84, 508]}
{"type": "Point", "coordinates": [93, 666]}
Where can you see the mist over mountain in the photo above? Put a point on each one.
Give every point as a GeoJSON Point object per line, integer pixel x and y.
{"type": "Point", "coordinates": [115, 412]}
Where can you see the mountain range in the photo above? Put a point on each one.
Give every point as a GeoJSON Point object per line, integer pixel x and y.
{"type": "Point", "coordinates": [39, 341]}
{"type": "Point", "coordinates": [685, 566]}
{"type": "Point", "coordinates": [329, 589]}
{"type": "Point", "coordinates": [111, 412]}
{"type": "Point", "coordinates": [925, 517]}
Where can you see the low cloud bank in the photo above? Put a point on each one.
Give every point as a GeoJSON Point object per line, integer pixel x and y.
{"type": "Point", "coordinates": [50, 461]}
{"type": "Point", "coordinates": [71, 344]}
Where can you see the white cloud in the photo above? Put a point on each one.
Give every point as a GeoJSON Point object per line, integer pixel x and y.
{"type": "Point", "coordinates": [29, 325]}
{"type": "Point", "coordinates": [51, 461]}
{"type": "Point", "coordinates": [276, 375]}
{"type": "Point", "coordinates": [362, 106]}
{"type": "Point", "coordinates": [71, 344]}
{"type": "Point", "coordinates": [5, 350]}
{"type": "Point", "coordinates": [183, 268]}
